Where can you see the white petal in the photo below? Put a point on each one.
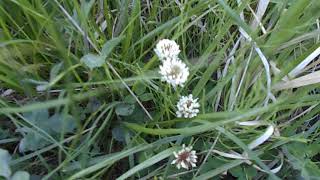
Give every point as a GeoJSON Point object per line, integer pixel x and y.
{"type": "Point", "coordinates": [175, 154]}
{"type": "Point", "coordinates": [188, 107]}
{"type": "Point", "coordinates": [184, 165]}
{"type": "Point", "coordinates": [195, 157]}
{"type": "Point", "coordinates": [166, 48]}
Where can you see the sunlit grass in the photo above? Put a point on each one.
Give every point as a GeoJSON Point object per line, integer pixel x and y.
{"type": "Point", "coordinates": [82, 97]}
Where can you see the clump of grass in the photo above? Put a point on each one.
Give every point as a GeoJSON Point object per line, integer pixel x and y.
{"type": "Point", "coordinates": [82, 96]}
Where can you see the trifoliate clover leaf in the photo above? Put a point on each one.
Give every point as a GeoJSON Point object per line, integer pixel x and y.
{"type": "Point", "coordinates": [40, 121]}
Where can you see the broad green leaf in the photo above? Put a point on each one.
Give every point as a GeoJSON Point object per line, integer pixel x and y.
{"type": "Point", "coordinates": [110, 45]}
{"type": "Point", "coordinates": [129, 99]}
{"type": "Point", "coordinates": [250, 171]}
{"type": "Point", "coordinates": [137, 116]}
{"type": "Point", "coordinates": [20, 175]}
{"type": "Point", "coordinates": [140, 88]}
{"type": "Point", "coordinates": [39, 118]}
{"type": "Point", "coordinates": [125, 109]}
{"type": "Point", "coordinates": [92, 60]}
{"type": "Point", "coordinates": [61, 122]}
{"type": "Point", "coordinates": [237, 172]}
{"type": "Point", "coordinates": [4, 163]}
{"type": "Point", "coordinates": [32, 141]}
{"type": "Point", "coordinates": [146, 97]}
{"type": "Point", "coordinates": [118, 133]}
{"type": "Point", "coordinates": [93, 105]}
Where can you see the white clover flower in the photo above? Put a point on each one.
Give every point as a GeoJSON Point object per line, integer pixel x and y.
{"type": "Point", "coordinates": [174, 72]}
{"type": "Point", "coordinates": [187, 107]}
{"type": "Point", "coordinates": [167, 49]}
{"type": "Point", "coordinates": [185, 158]}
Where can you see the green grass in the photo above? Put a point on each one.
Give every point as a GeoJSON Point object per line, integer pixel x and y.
{"type": "Point", "coordinates": [70, 119]}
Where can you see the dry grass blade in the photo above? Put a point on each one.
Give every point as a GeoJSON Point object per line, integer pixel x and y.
{"type": "Point", "coordinates": [261, 9]}
{"type": "Point", "coordinates": [309, 79]}
{"type": "Point", "coordinates": [298, 69]}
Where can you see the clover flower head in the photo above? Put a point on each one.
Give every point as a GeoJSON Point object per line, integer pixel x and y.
{"type": "Point", "coordinates": [174, 72]}
{"type": "Point", "coordinates": [187, 107]}
{"type": "Point", "coordinates": [166, 48]}
{"type": "Point", "coordinates": [185, 158]}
